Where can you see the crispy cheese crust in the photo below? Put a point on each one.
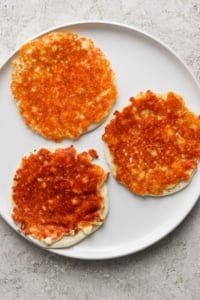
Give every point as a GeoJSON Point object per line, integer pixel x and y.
{"type": "Point", "coordinates": [153, 144]}
{"type": "Point", "coordinates": [58, 197]}
{"type": "Point", "coordinates": [63, 85]}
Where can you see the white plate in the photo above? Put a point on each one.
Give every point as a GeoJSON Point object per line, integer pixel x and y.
{"type": "Point", "coordinates": [140, 63]}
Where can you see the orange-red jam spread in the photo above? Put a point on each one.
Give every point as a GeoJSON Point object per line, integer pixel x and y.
{"type": "Point", "coordinates": [57, 193]}
{"type": "Point", "coordinates": [63, 85]}
{"type": "Point", "coordinates": [154, 143]}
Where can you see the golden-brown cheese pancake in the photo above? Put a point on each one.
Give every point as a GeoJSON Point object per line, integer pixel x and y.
{"type": "Point", "coordinates": [59, 197]}
{"type": "Point", "coordinates": [63, 85]}
{"type": "Point", "coordinates": [153, 144]}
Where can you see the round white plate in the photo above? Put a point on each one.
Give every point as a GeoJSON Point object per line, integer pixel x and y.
{"type": "Point", "coordinates": [140, 62]}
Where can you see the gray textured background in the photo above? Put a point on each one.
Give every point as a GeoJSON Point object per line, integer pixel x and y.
{"type": "Point", "coordinates": [171, 268]}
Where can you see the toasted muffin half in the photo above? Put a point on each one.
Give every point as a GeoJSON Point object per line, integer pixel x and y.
{"type": "Point", "coordinates": [153, 144]}
{"type": "Point", "coordinates": [59, 197]}
{"type": "Point", "coordinates": [63, 85]}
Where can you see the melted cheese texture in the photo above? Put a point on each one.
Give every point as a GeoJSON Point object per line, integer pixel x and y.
{"type": "Point", "coordinates": [153, 144]}
{"type": "Point", "coordinates": [63, 85]}
{"type": "Point", "coordinates": [59, 197]}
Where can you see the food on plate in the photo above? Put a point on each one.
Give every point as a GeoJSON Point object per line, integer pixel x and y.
{"type": "Point", "coordinates": [153, 144]}
{"type": "Point", "coordinates": [59, 197]}
{"type": "Point", "coordinates": [63, 85]}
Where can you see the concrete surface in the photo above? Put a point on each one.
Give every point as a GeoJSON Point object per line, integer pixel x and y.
{"type": "Point", "coordinates": [171, 268]}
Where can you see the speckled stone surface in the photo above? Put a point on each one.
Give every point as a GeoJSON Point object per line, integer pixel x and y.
{"type": "Point", "coordinates": [171, 268]}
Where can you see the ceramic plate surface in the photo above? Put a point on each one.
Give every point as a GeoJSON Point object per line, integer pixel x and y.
{"type": "Point", "coordinates": [140, 62]}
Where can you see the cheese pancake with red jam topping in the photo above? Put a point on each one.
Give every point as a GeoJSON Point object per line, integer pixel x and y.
{"type": "Point", "coordinates": [153, 144]}
{"type": "Point", "coordinates": [63, 85]}
{"type": "Point", "coordinates": [59, 197]}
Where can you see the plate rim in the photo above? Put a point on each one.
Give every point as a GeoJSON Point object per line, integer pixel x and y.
{"type": "Point", "coordinates": [167, 231]}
